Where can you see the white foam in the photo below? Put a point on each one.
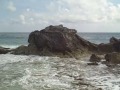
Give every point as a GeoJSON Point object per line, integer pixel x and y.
{"type": "Point", "coordinates": [10, 46]}
{"type": "Point", "coordinates": [39, 73]}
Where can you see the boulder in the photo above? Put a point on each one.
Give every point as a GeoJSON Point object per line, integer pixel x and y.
{"type": "Point", "coordinates": [113, 58]}
{"type": "Point", "coordinates": [59, 39]}
{"type": "Point", "coordinates": [95, 58]}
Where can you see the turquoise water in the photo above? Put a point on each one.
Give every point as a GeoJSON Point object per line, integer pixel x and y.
{"type": "Point", "coordinates": [12, 40]}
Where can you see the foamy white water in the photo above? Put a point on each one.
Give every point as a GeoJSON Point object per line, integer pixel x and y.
{"type": "Point", "coordinates": [20, 72]}
{"type": "Point", "coordinates": [102, 76]}
{"type": "Point", "coordinates": [10, 46]}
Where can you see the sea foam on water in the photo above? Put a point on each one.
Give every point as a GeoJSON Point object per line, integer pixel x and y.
{"type": "Point", "coordinates": [21, 72]}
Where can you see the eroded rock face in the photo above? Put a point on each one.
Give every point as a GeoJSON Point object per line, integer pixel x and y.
{"type": "Point", "coordinates": [113, 58]}
{"type": "Point", "coordinates": [59, 39]}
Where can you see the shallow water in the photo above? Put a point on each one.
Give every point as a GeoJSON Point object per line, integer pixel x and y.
{"type": "Point", "coordinates": [37, 73]}
{"type": "Point", "coordinates": [20, 72]}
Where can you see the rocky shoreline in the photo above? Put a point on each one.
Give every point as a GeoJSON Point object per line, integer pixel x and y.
{"type": "Point", "coordinates": [66, 43]}
{"type": "Point", "coordinates": [60, 41]}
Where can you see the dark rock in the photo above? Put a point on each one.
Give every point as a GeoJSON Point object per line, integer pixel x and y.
{"type": "Point", "coordinates": [113, 46]}
{"type": "Point", "coordinates": [106, 48]}
{"type": "Point", "coordinates": [113, 58]}
{"type": "Point", "coordinates": [95, 58]}
{"type": "Point", "coordinates": [94, 63]}
{"type": "Point", "coordinates": [59, 39]}
{"type": "Point", "coordinates": [116, 46]}
{"type": "Point", "coordinates": [4, 50]}
{"type": "Point", "coordinates": [114, 40]}
{"type": "Point", "coordinates": [25, 50]}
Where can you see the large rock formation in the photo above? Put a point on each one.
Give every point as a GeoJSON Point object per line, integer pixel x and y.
{"type": "Point", "coordinates": [56, 39]}
{"type": "Point", "coordinates": [62, 41]}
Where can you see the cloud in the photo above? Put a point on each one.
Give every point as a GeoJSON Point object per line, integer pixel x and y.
{"type": "Point", "coordinates": [84, 15]}
{"type": "Point", "coordinates": [11, 6]}
{"type": "Point", "coordinates": [74, 11]}
{"type": "Point", "coordinates": [22, 19]}
{"type": "Point", "coordinates": [86, 10]}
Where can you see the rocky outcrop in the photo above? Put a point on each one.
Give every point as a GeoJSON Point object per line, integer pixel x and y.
{"type": "Point", "coordinates": [114, 40]}
{"type": "Point", "coordinates": [56, 39]}
{"type": "Point", "coordinates": [4, 50]}
{"type": "Point", "coordinates": [113, 58]}
{"type": "Point", "coordinates": [95, 58]}
{"type": "Point", "coordinates": [112, 46]}
{"type": "Point", "coordinates": [62, 41]}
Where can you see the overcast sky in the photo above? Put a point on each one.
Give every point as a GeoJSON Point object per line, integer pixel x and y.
{"type": "Point", "coordinates": [82, 15]}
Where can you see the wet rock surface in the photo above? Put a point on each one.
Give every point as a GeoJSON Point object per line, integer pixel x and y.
{"type": "Point", "coordinates": [4, 50]}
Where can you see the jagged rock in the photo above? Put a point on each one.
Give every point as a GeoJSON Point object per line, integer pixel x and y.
{"type": "Point", "coordinates": [113, 58]}
{"type": "Point", "coordinates": [113, 46]}
{"type": "Point", "coordinates": [59, 39]}
{"type": "Point", "coordinates": [95, 58]}
{"type": "Point", "coordinates": [114, 40]}
{"type": "Point", "coordinates": [4, 50]}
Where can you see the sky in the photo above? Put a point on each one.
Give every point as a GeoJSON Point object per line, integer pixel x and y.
{"type": "Point", "coordinates": [82, 15]}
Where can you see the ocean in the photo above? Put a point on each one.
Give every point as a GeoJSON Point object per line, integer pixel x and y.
{"type": "Point", "coordinates": [13, 40]}
{"type": "Point", "coordinates": [32, 72]}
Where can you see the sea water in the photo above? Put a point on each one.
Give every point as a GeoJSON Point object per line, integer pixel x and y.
{"type": "Point", "coordinates": [21, 72]}
{"type": "Point", "coordinates": [16, 39]}
{"type": "Point", "coordinates": [13, 40]}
